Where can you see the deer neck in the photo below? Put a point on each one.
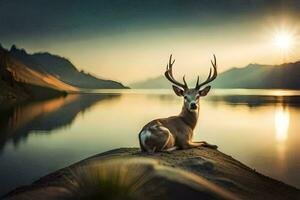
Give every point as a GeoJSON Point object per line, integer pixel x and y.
{"type": "Point", "coordinates": [190, 118]}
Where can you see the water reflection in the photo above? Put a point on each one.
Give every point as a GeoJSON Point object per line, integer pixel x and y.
{"type": "Point", "coordinates": [43, 116]}
{"type": "Point", "coordinates": [260, 130]}
{"type": "Point", "coordinates": [256, 100]}
{"type": "Point", "coordinates": [282, 121]}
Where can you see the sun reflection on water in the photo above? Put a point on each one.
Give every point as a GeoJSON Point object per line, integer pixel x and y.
{"type": "Point", "coordinates": [282, 121]}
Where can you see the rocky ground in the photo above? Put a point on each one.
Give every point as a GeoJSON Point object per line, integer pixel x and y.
{"type": "Point", "coordinates": [200, 173]}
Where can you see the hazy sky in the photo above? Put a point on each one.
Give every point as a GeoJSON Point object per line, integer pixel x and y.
{"type": "Point", "coordinates": [129, 40]}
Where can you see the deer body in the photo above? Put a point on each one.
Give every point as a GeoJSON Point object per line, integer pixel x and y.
{"type": "Point", "coordinates": [176, 132]}
{"type": "Point", "coordinates": [169, 133]}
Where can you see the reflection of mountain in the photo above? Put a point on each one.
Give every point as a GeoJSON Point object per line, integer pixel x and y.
{"type": "Point", "coordinates": [44, 116]}
{"type": "Point", "coordinates": [256, 100]}
{"type": "Point", "coordinates": [285, 76]}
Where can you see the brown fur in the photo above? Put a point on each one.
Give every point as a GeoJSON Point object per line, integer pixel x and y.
{"type": "Point", "coordinates": [176, 132]}
{"type": "Point", "coordinates": [181, 128]}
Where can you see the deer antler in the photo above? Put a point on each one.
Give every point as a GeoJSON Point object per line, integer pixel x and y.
{"type": "Point", "coordinates": [210, 77]}
{"type": "Point", "coordinates": [170, 77]}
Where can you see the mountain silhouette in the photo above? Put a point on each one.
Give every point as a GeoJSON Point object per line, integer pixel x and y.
{"type": "Point", "coordinates": [19, 83]}
{"type": "Point", "coordinates": [253, 76]}
{"type": "Point", "coordinates": [62, 69]}
{"type": "Point", "coordinates": [284, 76]}
{"type": "Point", "coordinates": [39, 76]}
{"type": "Point", "coordinates": [159, 82]}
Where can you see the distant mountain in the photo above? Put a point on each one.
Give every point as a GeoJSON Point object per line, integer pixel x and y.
{"type": "Point", "coordinates": [62, 69]}
{"type": "Point", "coordinates": [285, 76]}
{"type": "Point", "coordinates": [20, 72]}
{"type": "Point", "coordinates": [159, 82]}
{"type": "Point", "coordinates": [18, 82]}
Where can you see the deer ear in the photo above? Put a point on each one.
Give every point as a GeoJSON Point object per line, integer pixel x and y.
{"type": "Point", "coordinates": [204, 91]}
{"type": "Point", "coordinates": [178, 91]}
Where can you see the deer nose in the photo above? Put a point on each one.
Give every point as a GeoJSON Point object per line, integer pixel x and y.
{"type": "Point", "coordinates": [193, 106]}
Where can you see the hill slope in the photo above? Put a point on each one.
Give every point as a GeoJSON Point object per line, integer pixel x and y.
{"type": "Point", "coordinates": [159, 82]}
{"type": "Point", "coordinates": [62, 69]}
{"type": "Point", "coordinates": [285, 76]}
{"type": "Point", "coordinates": [18, 82]}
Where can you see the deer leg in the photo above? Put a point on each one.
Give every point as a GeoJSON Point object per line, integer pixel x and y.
{"type": "Point", "coordinates": [151, 151]}
{"type": "Point", "coordinates": [200, 144]}
{"type": "Point", "coordinates": [169, 150]}
{"type": "Point", "coordinates": [190, 145]}
{"type": "Point", "coordinates": [205, 144]}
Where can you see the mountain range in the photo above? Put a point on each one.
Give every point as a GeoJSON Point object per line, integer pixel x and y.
{"type": "Point", "coordinates": [252, 76]}
{"type": "Point", "coordinates": [42, 75]}
{"type": "Point", "coordinates": [62, 69]}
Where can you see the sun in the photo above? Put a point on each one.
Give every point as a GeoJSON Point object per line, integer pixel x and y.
{"type": "Point", "coordinates": [284, 40]}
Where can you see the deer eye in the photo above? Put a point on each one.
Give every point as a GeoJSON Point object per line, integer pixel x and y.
{"type": "Point", "coordinates": [185, 97]}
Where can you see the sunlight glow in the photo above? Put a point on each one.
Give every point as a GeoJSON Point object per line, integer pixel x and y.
{"type": "Point", "coordinates": [282, 120]}
{"type": "Point", "coordinates": [284, 40]}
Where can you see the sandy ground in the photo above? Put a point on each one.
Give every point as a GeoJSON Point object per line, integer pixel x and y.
{"type": "Point", "coordinates": [200, 173]}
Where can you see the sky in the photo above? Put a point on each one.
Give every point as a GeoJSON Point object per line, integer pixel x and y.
{"type": "Point", "coordinates": [131, 40]}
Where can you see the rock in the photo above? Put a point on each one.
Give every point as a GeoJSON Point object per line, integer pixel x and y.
{"type": "Point", "coordinates": [191, 174]}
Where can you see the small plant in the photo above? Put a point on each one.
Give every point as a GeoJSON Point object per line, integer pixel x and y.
{"type": "Point", "coordinates": [111, 180]}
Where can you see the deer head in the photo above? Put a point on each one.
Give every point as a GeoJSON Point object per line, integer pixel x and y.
{"type": "Point", "coordinates": [191, 96]}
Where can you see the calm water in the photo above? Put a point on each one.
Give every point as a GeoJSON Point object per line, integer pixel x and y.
{"type": "Point", "coordinates": [259, 127]}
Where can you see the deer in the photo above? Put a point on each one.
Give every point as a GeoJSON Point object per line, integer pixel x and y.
{"type": "Point", "coordinates": [176, 132]}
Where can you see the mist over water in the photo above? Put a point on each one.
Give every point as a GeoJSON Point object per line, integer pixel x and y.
{"type": "Point", "coordinates": [257, 127]}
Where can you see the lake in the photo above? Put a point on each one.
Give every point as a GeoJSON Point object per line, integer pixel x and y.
{"type": "Point", "coordinates": [261, 128]}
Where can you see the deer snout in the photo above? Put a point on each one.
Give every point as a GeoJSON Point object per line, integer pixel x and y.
{"type": "Point", "coordinates": [193, 106]}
